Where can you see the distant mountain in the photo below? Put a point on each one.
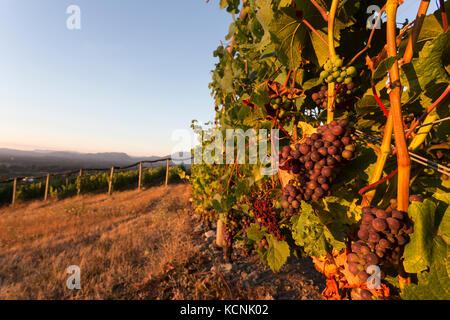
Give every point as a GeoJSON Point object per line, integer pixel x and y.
{"type": "Point", "coordinates": [30, 163]}
{"type": "Point", "coordinates": [101, 156]}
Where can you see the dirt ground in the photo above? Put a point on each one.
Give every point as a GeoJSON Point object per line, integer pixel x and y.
{"type": "Point", "coordinates": [133, 245]}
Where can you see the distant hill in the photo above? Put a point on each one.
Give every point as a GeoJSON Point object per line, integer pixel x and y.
{"type": "Point", "coordinates": [30, 163]}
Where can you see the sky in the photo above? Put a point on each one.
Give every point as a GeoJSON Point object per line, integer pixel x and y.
{"type": "Point", "coordinates": [136, 71]}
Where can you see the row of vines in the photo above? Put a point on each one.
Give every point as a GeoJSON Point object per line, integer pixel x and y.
{"type": "Point", "coordinates": [63, 187]}
{"type": "Point", "coordinates": [362, 186]}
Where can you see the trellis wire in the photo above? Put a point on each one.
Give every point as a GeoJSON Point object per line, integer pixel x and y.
{"type": "Point", "coordinates": [414, 157]}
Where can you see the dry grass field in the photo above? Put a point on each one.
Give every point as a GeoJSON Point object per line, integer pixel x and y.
{"type": "Point", "coordinates": [118, 242]}
{"type": "Point", "coordinates": [133, 245]}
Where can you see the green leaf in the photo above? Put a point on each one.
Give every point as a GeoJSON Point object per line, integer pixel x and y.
{"type": "Point", "coordinates": [265, 17]}
{"type": "Point", "coordinates": [429, 241]}
{"type": "Point", "coordinates": [284, 3]}
{"type": "Point", "coordinates": [287, 34]}
{"type": "Point", "coordinates": [226, 82]}
{"type": "Point", "coordinates": [428, 69]}
{"type": "Point", "coordinates": [293, 40]}
{"type": "Point", "coordinates": [277, 253]}
{"type": "Point", "coordinates": [368, 104]}
{"type": "Point", "coordinates": [383, 68]}
{"type": "Point", "coordinates": [260, 97]}
{"type": "Point", "coordinates": [254, 117]}
{"type": "Point", "coordinates": [243, 112]}
{"type": "Point", "coordinates": [242, 188]}
{"type": "Point", "coordinates": [432, 285]}
{"type": "Point", "coordinates": [254, 233]}
{"type": "Point", "coordinates": [309, 232]}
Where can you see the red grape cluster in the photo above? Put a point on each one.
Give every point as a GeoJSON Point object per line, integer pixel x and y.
{"type": "Point", "coordinates": [291, 198]}
{"type": "Point", "coordinates": [382, 237]}
{"type": "Point", "coordinates": [263, 244]}
{"type": "Point", "coordinates": [231, 227]}
{"type": "Point", "coordinates": [343, 95]}
{"type": "Point", "coordinates": [267, 217]}
{"type": "Point", "coordinates": [246, 222]}
{"type": "Point", "coordinates": [314, 163]}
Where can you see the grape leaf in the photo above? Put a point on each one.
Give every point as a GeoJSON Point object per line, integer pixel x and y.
{"type": "Point", "coordinates": [432, 285]}
{"type": "Point", "coordinates": [265, 17]}
{"type": "Point", "coordinates": [260, 96]}
{"type": "Point", "coordinates": [428, 69]}
{"type": "Point", "coordinates": [254, 233]}
{"type": "Point", "coordinates": [293, 40]}
{"type": "Point", "coordinates": [427, 243]}
{"type": "Point", "coordinates": [309, 232]}
{"type": "Point", "coordinates": [307, 129]}
{"type": "Point", "coordinates": [383, 68]}
{"type": "Point", "coordinates": [277, 253]}
{"type": "Point", "coordinates": [287, 34]}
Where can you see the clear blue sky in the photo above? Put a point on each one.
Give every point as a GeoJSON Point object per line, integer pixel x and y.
{"type": "Point", "coordinates": [136, 71]}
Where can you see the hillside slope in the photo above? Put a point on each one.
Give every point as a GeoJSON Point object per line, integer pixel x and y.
{"type": "Point", "coordinates": [133, 245]}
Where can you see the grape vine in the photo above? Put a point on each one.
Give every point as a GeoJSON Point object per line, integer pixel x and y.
{"type": "Point", "coordinates": [349, 103]}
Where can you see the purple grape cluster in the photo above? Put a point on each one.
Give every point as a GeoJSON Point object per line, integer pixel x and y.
{"type": "Point", "coordinates": [382, 237]}
{"type": "Point", "coordinates": [315, 163]}
{"type": "Point", "coordinates": [343, 95]}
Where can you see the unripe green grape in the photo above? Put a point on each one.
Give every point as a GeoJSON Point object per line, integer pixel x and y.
{"type": "Point", "coordinates": [330, 78]}
{"type": "Point", "coordinates": [339, 79]}
{"type": "Point", "coordinates": [351, 71]}
{"type": "Point", "coordinates": [327, 66]}
{"type": "Point", "coordinates": [335, 58]}
{"type": "Point", "coordinates": [336, 74]}
{"type": "Point", "coordinates": [324, 74]}
{"type": "Point", "coordinates": [335, 69]}
{"type": "Point", "coordinates": [278, 100]}
{"type": "Point", "coordinates": [348, 80]}
{"type": "Point", "coordinates": [276, 106]}
{"type": "Point", "coordinates": [337, 62]}
{"type": "Point", "coordinates": [343, 74]}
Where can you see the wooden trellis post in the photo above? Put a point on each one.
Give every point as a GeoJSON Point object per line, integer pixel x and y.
{"type": "Point", "coordinates": [46, 186]}
{"type": "Point", "coordinates": [14, 191]}
{"type": "Point", "coordinates": [79, 182]}
{"type": "Point", "coordinates": [167, 172]}
{"type": "Point", "coordinates": [111, 181]}
{"type": "Point", "coordinates": [220, 234]}
{"type": "Point", "coordinates": [140, 176]}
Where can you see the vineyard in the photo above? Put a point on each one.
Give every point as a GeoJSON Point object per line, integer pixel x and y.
{"type": "Point", "coordinates": [87, 181]}
{"type": "Point", "coordinates": [361, 107]}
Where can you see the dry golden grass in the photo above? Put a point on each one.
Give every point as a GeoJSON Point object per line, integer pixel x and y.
{"type": "Point", "coordinates": [118, 242]}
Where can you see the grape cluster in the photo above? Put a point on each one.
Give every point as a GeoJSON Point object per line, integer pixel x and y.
{"type": "Point", "coordinates": [314, 163]}
{"type": "Point", "coordinates": [264, 212]}
{"type": "Point", "coordinates": [267, 217]}
{"type": "Point", "coordinates": [291, 198]}
{"type": "Point", "coordinates": [283, 104]}
{"type": "Point", "coordinates": [263, 244]}
{"type": "Point", "coordinates": [334, 71]}
{"type": "Point", "coordinates": [382, 237]}
{"type": "Point", "coordinates": [343, 92]}
{"type": "Point", "coordinates": [231, 227]}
